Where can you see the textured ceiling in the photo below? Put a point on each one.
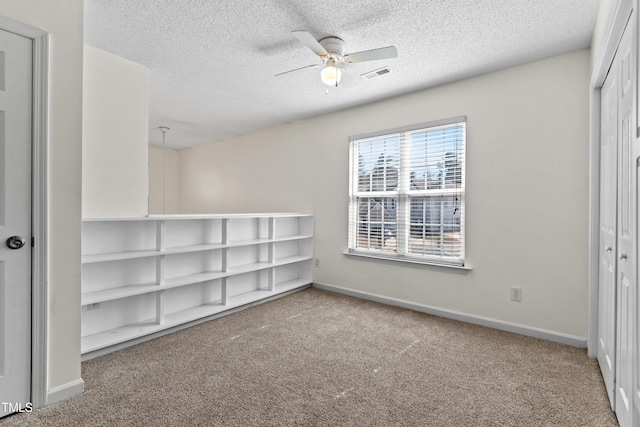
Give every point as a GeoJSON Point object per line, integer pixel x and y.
{"type": "Point", "coordinates": [213, 62]}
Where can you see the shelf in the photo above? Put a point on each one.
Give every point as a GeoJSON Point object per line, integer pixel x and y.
{"type": "Point", "coordinates": [116, 293]}
{"type": "Point", "coordinates": [191, 248]}
{"type": "Point", "coordinates": [129, 332]}
{"type": "Point", "coordinates": [116, 336]}
{"type": "Point", "coordinates": [191, 279]}
{"type": "Point", "coordinates": [248, 268]}
{"type": "Point", "coordinates": [291, 260]}
{"type": "Point", "coordinates": [136, 298]}
{"type": "Point", "coordinates": [119, 256]}
{"type": "Point", "coordinates": [132, 290]}
{"type": "Point", "coordinates": [198, 216]}
{"type": "Point", "coordinates": [250, 242]}
{"type": "Point", "coordinates": [293, 237]}
{"type": "Point", "coordinates": [291, 285]}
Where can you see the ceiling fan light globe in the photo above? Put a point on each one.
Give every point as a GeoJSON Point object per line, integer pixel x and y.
{"type": "Point", "coordinates": [330, 76]}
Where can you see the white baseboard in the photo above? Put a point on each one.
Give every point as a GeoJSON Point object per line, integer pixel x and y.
{"type": "Point", "coordinates": [464, 317]}
{"type": "Point", "coordinates": [65, 391]}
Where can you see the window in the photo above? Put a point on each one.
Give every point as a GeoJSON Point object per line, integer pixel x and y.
{"type": "Point", "coordinates": [406, 193]}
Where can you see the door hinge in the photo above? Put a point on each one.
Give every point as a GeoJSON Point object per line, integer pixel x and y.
{"type": "Point", "coordinates": [33, 242]}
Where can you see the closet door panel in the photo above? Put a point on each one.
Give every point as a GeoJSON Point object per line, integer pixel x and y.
{"type": "Point", "coordinates": [608, 231]}
{"type": "Point", "coordinates": [626, 238]}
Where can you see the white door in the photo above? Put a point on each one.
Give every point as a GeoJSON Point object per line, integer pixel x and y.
{"type": "Point", "coordinates": [15, 220]}
{"type": "Point", "coordinates": [617, 260]}
{"type": "Point", "coordinates": [626, 229]}
{"type": "Point", "coordinates": [608, 230]}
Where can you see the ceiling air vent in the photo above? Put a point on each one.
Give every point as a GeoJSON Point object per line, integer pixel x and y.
{"type": "Point", "coordinates": [376, 73]}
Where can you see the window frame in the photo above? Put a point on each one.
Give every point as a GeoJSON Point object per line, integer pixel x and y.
{"type": "Point", "coordinates": [404, 195]}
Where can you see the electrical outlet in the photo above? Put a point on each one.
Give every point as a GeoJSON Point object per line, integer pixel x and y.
{"type": "Point", "coordinates": [94, 306]}
{"type": "Point", "coordinates": [516, 294]}
{"type": "Point", "coordinates": [317, 263]}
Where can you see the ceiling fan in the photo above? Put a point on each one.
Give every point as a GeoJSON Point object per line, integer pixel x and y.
{"type": "Point", "coordinates": [331, 51]}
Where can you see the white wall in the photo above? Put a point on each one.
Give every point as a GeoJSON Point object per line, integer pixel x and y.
{"type": "Point", "coordinates": [63, 19]}
{"type": "Point", "coordinates": [269, 171]}
{"type": "Point", "coordinates": [115, 134]}
{"type": "Point", "coordinates": [527, 179]}
{"type": "Point", "coordinates": [163, 190]}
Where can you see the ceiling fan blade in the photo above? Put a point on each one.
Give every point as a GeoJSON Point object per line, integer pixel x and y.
{"type": "Point", "coordinates": [301, 68]}
{"type": "Point", "coordinates": [309, 41]}
{"type": "Point", "coordinates": [372, 55]}
{"type": "Point", "coordinates": [347, 81]}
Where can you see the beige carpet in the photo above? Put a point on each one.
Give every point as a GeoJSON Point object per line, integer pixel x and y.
{"type": "Point", "coordinates": [321, 359]}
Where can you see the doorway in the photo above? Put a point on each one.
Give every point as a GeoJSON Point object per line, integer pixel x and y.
{"type": "Point", "coordinates": [38, 219]}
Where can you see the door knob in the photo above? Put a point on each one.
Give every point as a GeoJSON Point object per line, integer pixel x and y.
{"type": "Point", "coordinates": [15, 242]}
{"type": "Point", "coordinates": [607, 248]}
{"type": "Point", "coordinates": [623, 256]}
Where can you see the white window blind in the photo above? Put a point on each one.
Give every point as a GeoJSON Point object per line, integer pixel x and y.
{"type": "Point", "coordinates": [406, 191]}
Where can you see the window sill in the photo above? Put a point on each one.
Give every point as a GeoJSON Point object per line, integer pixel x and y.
{"type": "Point", "coordinates": [410, 261]}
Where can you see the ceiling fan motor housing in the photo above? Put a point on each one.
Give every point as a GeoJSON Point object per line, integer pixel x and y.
{"type": "Point", "coordinates": [333, 45]}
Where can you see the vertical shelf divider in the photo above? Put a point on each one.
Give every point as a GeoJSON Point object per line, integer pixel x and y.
{"type": "Point", "coordinates": [272, 254]}
{"type": "Point", "coordinates": [262, 251]}
{"type": "Point", "coordinates": [225, 260]}
{"type": "Point", "coordinates": [160, 264]}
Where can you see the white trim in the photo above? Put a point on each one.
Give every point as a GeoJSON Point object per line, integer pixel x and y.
{"type": "Point", "coordinates": [40, 119]}
{"type": "Point", "coordinates": [594, 221]}
{"type": "Point", "coordinates": [409, 128]}
{"type": "Point", "coordinates": [65, 391]}
{"type": "Point", "coordinates": [615, 29]}
{"type": "Point", "coordinates": [601, 65]}
{"type": "Point", "coordinates": [530, 331]}
{"type": "Point", "coordinates": [427, 262]}
{"type": "Point", "coordinates": [40, 215]}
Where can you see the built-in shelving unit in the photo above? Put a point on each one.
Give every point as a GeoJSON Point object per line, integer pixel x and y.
{"type": "Point", "coordinates": [145, 275]}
